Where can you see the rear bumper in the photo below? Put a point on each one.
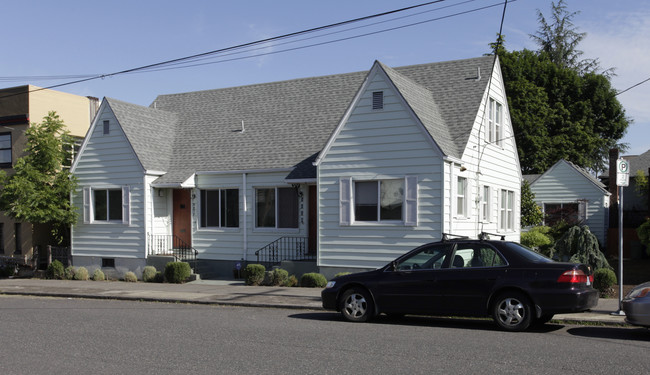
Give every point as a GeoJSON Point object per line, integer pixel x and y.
{"type": "Point", "coordinates": [569, 301]}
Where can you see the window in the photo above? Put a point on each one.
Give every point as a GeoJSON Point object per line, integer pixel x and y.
{"type": "Point", "coordinates": [430, 257]}
{"type": "Point", "coordinates": [378, 100]}
{"type": "Point", "coordinates": [108, 262]}
{"type": "Point", "coordinates": [476, 255]}
{"type": "Point", "coordinates": [506, 210]}
{"type": "Point", "coordinates": [556, 212]}
{"type": "Point", "coordinates": [220, 208]}
{"type": "Point", "coordinates": [495, 122]}
{"type": "Point", "coordinates": [107, 205]}
{"type": "Point", "coordinates": [107, 127]}
{"type": "Point", "coordinates": [378, 200]}
{"type": "Point", "coordinates": [461, 197]}
{"type": "Point", "coordinates": [277, 208]}
{"type": "Point", "coordinates": [485, 204]}
{"type": "Point", "coordinates": [5, 150]}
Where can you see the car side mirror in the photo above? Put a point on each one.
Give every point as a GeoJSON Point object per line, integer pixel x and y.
{"type": "Point", "coordinates": [393, 266]}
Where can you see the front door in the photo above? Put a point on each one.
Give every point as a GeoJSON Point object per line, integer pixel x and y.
{"type": "Point", "coordinates": [182, 224]}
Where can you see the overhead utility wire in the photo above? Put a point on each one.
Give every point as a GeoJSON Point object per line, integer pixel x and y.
{"type": "Point", "coordinates": [633, 86]}
{"type": "Point", "coordinates": [325, 42]}
{"type": "Point", "coordinates": [239, 46]}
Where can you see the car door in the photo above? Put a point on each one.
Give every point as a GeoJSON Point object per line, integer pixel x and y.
{"type": "Point", "coordinates": [474, 270]}
{"type": "Point", "coordinates": [409, 286]}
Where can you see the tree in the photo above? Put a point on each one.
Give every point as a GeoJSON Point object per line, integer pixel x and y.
{"type": "Point", "coordinates": [39, 190]}
{"type": "Point", "coordinates": [531, 214]}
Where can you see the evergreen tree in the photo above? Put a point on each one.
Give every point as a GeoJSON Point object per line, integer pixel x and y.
{"type": "Point", "coordinates": [531, 214]}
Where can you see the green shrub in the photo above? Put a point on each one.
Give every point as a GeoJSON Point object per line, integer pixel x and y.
{"type": "Point", "coordinates": [7, 270]}
{"type": "Point", "coordinates": [55, 270]}
{"type": "Point", "coordinates": [254, 274]}
{"type": "Point", "coordinates": [291, 281]}
{"type": "Point", "coordinates": [69, 272]}
{"type": "Point", "coordinates": [81, 274]}
{"type": "Point", "coordinates": [149, 274]}
{"type": "Point", "coordinates": [313, 280]}
{"type": "Point", "coordinates": [130, 277]}
{"type": "Point", "coordinates": [604, 280]}
{"type": "Point", "coordinates": [579, 245]}
{"type": "Point", "coordinates": [98, 275]}
{"type": "Point", "coordinates": [643, 232]}
{"type": "Point", "coordinates": [538, 239]}
{"type": "Point", "coordinates": [160, 277]}
{"type": "Point", "coordinates": [342, 274]}
{"type": "Point", "coordinates": [177, 272]}
{"type": "Point", "coordinates": [280, 276]}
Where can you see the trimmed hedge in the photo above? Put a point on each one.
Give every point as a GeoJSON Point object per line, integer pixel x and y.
{"type": "Point", "coordinates": [55, 270]}
{"type": "Point", "coordinates": [280, 277]}
{"type": "Point", "coordinates": [98, 275]}
{"type": "Point", "coordinates": [69, 273]}
{"type": "Point", "coordinates": [313, 280]}
{"type": "Point", "coordinates": [604, 280]}
{"type": "Point", "coordinates": [130, 277]}
{"type": "Point", "coordinates": [81, 273]}
{"type": "Point", "coordinates": [177, 272]}
{"type": "Point", "coordinates": [149, 274]}
{"type": "Point", "coordinates": [254, 274]}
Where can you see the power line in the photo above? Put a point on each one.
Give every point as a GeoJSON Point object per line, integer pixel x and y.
{"type": "Point", "coordinates": [633, 86]}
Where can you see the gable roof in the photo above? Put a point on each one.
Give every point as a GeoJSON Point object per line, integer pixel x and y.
{"type": "Point", "coordinates": [284, 125]}
{"type": "Point", "coordinates": [599, 185]}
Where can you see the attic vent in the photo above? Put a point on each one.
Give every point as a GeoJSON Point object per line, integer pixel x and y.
{"type": "Point", "coordinates": [107, 128]}
{"type": "Point", "coordinates": [378, 100]}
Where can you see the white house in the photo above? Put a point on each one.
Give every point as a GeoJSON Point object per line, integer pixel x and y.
{"type": "Point", "coordinates": [567, 192]}
{"type": "Point", "coordinates": [345, 171]}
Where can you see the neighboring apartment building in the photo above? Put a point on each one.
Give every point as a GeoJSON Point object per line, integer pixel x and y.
{"type": "Point", "coordinates": [19, 107]}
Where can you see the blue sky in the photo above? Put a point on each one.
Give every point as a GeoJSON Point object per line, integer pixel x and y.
{"type": "Point", "coordinates": [69, 37]}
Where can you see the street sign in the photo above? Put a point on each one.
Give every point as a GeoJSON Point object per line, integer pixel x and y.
{"type": "Point", "coordinates": [622, 172]}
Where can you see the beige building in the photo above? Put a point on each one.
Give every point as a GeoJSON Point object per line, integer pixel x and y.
{"type": "Point", "coordinates": [19, 107]}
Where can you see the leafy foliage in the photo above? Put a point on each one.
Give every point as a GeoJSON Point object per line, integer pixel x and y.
{"type": "Point", "coordinates": [604, 280]}
{"type": "Point", "coordinates": [55, 270]}
{"type": "Point", "coordinates": [130, 277]}
{"type": "Point", "coordinates": [579, 245]}
{"type": "Point", "coordinates": [98, 275]}
{"type": "Point", "coordinates": [177, 272]}
{"type": "Point", "coordinates": [531, 214]}
{"type": "Point", "coordinates": [69, 273]}
{"type": "Point", "coordinates": [280, 277]}
{"type": "Point", "coordinates": [313, 280]}
{"type": "Point", "coordinates": [254, 274]}
{"type": "Point", "coordinates": [39, 190]}
{"type": "Point", "coordinates": [81, 274]}
{"type": "Point", "coordinates": [149, 274]}
{"type": "Point", "coordinates": [641, 186]}
{"type": "Point", "coordinates": [643, 231]}
{"type": "Point", "coordinates": [538, 238]}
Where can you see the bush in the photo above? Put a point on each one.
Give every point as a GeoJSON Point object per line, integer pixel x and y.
{"type": "Point", "coordinates": [98, 275]}
{"type": "Point", "coordinates": [579, 245]}
{"type": "Point", "coordinates": [280, 276]}
{"type": "Point", "coordinates": [342, 274]}
{"type": "Point", "coordinates": [604, 280]}
{"type": "Point", "coordinates": [177, 272]}
{"type": "Point", "coordinates": [291, 281]}
{"type": "Point", "coordinates": [7, 270]}
{"type": "Point", "coordinates": [313, 280]}
{"type": "Point", "coordinates": [160, 278]}
{"type": "Point", "coordinates": [69, 272]}
{"type": "Point", "coordinates": [81, 274]}
{"type": "Point", "coordinates": [643, 232]}
{"type": "Point", "coordinates": [55, 270]}
{"type": "Point", "coordinates": [149, 274]}
{"type": "Point", "coordinates": [130, 277]}
{"type": "Point", "coordinates": [538, 239]}
{"type": "Point", "coordinates": [254, 274]}
{"type": "Point", "coordinates": [268, 278]}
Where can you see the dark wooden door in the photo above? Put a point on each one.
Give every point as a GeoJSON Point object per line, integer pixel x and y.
{"type": "Point", "coordinates": [313, 220]}
{"type": "Point", "coordinates": [182, 225]}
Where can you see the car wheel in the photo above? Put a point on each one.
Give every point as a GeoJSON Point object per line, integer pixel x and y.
{"type": "Point", "coordinates": [512, 311]}
{"type": "Point", "coordinates": [356, 305]}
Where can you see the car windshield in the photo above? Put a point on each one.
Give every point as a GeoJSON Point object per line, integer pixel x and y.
{"type": "Point", "coordinates": [527, 253]}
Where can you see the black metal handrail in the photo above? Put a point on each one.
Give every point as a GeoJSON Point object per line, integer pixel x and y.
{"type": "Point", "coordinates": [171, 244]}
{"type": "Point", "coordinates": [284, 248]}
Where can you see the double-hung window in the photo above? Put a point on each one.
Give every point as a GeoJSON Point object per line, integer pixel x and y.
{"type": "Point", "coordinates": [378, 200]}
{"type": "Point", "coordinates": [220, 208]}
{"type": "Point", "coordinates": [485, 204]}
{"type": "Point", "coordinates": [506, 211]}
{"type": "Point", "coordinates": [495, 122]}
{"type": "Point", "coordinates": [277, 207]}
{"type": "Point", "coordinates": [107, 205]}
{"type": "Point", "coordinates": [5, 150]}
{"type": "Point", "coordinates": [461, 197]}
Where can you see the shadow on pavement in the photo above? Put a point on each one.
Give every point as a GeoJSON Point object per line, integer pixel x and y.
{"type": "Point", "coordinates": [637, 334]}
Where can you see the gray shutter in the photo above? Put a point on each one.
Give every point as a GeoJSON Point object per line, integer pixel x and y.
{"type": "Point", "coordinates": [87, 206]}
{"type": "Point", "coordinates": [126, 205]}
{"type": "Point", "coordinates": [411, 201]}
{"type": "Point", "coordinates": [345, 201]}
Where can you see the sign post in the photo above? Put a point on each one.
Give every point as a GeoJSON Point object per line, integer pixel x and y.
{"type": "Point", "coordinates": [622, 179]}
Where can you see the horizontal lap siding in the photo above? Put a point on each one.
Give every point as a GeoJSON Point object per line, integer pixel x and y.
{"type": "Point", "coordinates": [377, 145]}
{"type": "Point", "coordinates": [228, 244]}
{"type": "Point", "coordinates": [108, 161]}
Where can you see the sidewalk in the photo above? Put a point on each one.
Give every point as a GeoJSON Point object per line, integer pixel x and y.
{"type": "Point", "coordinates": [229, 293]}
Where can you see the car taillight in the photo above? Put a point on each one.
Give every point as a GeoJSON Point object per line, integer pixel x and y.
{"type": "Point", "coordinates": [639, 293]}
{"type": "Point", "coordinates": [574, 276]}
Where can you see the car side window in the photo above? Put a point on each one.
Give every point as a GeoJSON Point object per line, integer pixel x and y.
{"type": "Point", "coordinates": [476, 255]}
{"type": "Point", "coordinates": [430, 257]}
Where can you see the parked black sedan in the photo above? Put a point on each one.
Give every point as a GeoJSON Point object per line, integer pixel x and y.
{"type": "Point", "coordinates": [463, 277]}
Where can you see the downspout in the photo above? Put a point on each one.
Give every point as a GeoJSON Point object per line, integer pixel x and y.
{"type": "Point", "coordinates": [451, 197]}
{"type": "Point", "coordinates": [244, 203]}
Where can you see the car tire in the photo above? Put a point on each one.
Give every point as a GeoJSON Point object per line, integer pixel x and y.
{"type": "Point", "coordinates": [512, 311]}
{"type": "Point", "coordinates": [356, 305]}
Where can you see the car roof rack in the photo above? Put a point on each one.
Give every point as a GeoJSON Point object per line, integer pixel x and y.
{"type": "Point", "coordinates": [486, 236]}
{"type": "Point", "coordinates": [445, 237]}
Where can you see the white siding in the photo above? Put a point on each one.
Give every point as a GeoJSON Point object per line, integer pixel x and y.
{"type": "Point", "coordinates": [232, 243]}
{"type": "Point", "coordinates": [108, 161]}
{"type": "Point", "coordinates": [375, 145]}
{"type": "Point", "coordinates": [564, 184]}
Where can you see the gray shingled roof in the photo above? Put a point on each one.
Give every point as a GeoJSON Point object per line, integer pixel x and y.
{"type": "Point", "coordinates": [287, 123]}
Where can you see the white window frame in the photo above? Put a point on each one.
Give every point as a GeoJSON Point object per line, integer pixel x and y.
{"type": "Point", "coordinates": [486, 198]}
{"type": "Point", "coordinates": [506, 210]}
{"type": "Point", "coordinates": [409, 203]}
{"type": "Point", "coordinates": [88, 198]}
{"type": "Point", "coordinates": [495, 122]}
{"type": "Point", "coordinates": [462, 198]}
